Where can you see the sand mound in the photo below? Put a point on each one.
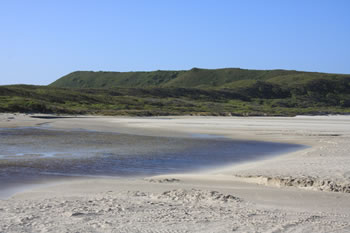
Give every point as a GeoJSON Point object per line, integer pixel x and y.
{"type": "Point", "coordinates": [195, 196]}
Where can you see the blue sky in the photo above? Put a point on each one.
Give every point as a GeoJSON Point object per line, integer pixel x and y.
{"type": "Point", "coordinates": [41, 41]}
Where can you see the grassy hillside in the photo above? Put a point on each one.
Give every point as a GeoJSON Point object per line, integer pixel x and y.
{"type": "Point", "coordinates": [197, 91]}
{"type": "Point", "coordinates": [194, 78]}
{"type": "Point", "coordinates": [316, 96]}
{"type": "Point", "coordinates": [89, 79]}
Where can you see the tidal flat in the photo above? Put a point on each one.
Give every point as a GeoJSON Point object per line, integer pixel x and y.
{"type": "Point", "coordinates": [35, 155]}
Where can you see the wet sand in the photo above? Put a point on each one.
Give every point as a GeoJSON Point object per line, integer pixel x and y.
{"type": "Point", "coordinates": [303, 191]}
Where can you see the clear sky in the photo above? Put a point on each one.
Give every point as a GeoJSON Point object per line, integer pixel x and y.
{"type": "Point", "coordinates": [41, 41]}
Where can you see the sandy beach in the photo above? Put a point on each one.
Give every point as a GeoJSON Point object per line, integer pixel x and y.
{"type": "Point", "coordinates": [303, 191]}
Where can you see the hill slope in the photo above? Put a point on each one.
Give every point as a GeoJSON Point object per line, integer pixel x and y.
{"type": "Point", "coordinates": [196, 91]}
{"type": "Point", "coordinates": [259, 99]}
{"type": "Point", "coordinates": [194, 78]}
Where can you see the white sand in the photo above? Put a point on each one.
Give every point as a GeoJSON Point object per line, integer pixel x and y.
{"type": "Point", "coordinates": [304, 191]}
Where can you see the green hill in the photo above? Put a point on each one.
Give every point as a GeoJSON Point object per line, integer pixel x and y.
{"type": "Point", "coordinates": [194, 78]}
{"type": "Point", "coordinates": [196, 91]}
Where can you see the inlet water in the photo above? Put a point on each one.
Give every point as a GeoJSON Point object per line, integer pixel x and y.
{"type": "Point", "coordinates": [31, 154]}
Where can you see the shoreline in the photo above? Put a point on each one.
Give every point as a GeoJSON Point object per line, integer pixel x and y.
{"type": "Point", "coordinates": [282, 193]}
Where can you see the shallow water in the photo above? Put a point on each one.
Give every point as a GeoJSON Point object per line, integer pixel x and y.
{"type": "Point", "coordinates": [28, 155]}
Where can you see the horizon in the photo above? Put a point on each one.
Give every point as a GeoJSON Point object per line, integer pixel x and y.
{"type": "Point", "coordinates": [39, 45]}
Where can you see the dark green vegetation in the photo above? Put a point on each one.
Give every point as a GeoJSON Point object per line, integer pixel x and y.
{"type": "Point", "coordinates": [197, 91]}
